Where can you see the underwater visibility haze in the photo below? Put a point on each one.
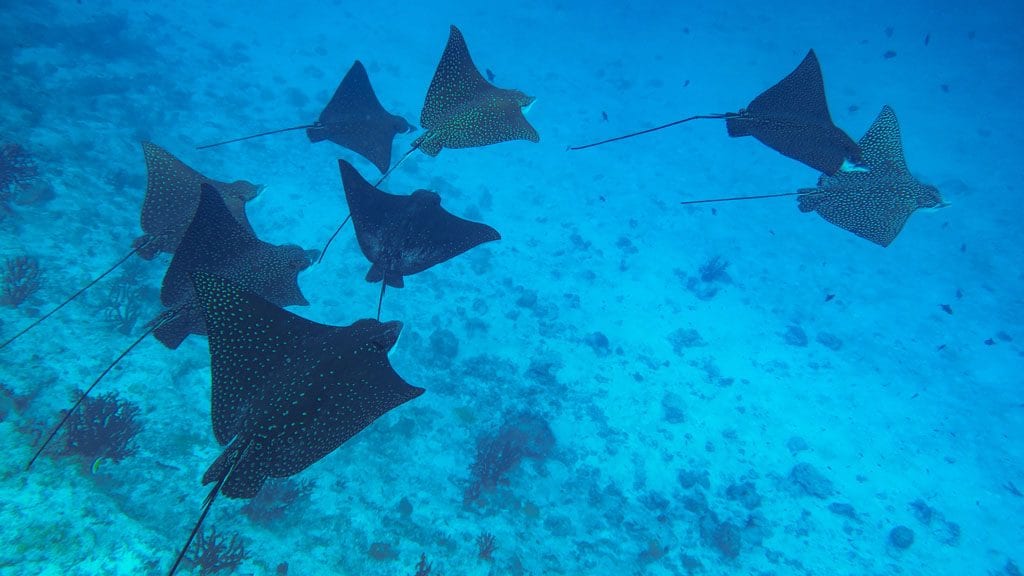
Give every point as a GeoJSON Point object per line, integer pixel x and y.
{"type": "Point", "coordinates": [461, 288]}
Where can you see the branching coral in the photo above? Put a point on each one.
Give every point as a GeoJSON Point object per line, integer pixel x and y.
{"type": "Point", "coordinates": [714, 270]}
{"type": "Point", "coordinates": [122, 307]}
{"type": "Point", "coordinates": [215, 553]}
{"type": "Point", "coordinates": [20, 280]}
{"type": "Point", "coordinates": [17, 169]}
{"type": "Point", "coordinates": [275, 498]}
{"type": "Point", "coordinates": [710, 276]}
{"type": "Point", "coordinates": [102, 427]}
{"type": "Point", "coordinates": [521, 436]}
{"type": "Point", "coordinates": [486, 544]}
{"type": "Point", "coordinates": [422, 567]}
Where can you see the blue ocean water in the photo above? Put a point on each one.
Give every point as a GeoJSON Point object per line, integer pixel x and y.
{"type": "Point", "coordinates": [737, 388]}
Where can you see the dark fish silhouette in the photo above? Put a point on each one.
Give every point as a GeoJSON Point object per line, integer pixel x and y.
{"type": "Point", "coordinates": [791, 117]}
{"type": "Point", "coordinates": [172, 194]}
{"type": "Point", "coordinates": [873, 204]}
{"type": "Point", "coordinates": [404, 235]}
{"type": "Point", "coordinates": [214, 243]}
{"type": "Point", "coordinates": [353, 119]}
{"type": "Point", "coordinates": [217, 244]}
{"type": "Point", "coordinates": [287, 391]}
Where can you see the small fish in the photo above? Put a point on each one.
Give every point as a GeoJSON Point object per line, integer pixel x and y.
{"type": "Point", "coordinates": [990, 342]}
{"type": "Point", "coordinates": [927, 39]}
{"type": "Point", "coordinates": [959, 294]}
{"type": "Point", "coordinates": [889, 31]}
{"type": "Point", "coordinates": [889, 54]}
{"type": "Point", "coordinates": [944, 88]}
{"type": "Point", "coordinates": [714, 211]}
{"type": "Point", "coordinates": [941, 347]}
{"type": "Point", "coordinates": [946, 308]}
{"type": "Point", "coordinates": [604, 116]}
{"type": "Point", "coordinates": [829, 297]}
{"type": "Point", "coordinates": [853, 108]}
{"type": "Point", "coordinates": [686, 83]}
{"type": "Point", "coordinates": [490, 75]}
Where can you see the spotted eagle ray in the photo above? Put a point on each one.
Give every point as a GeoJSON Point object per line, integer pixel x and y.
{"type": "Point", "coordinates": [463, 110]}
{"type": "Point", "coordinates": [353, 119]}
{"type": "Point", "coordinates": [172, 194]}
{"type": "Point", "coordinates": [873, 203]}
{"type": "Point", "coordinates": [791, 117]}
{"type": "Point", "coordinates": [405, 235]}
{"type": "Point", "coordinates": [217, 244]}
{"type": "Point", "coordinates": [214, 242]}
{"type": "Point", "coordinates": [286, 391]}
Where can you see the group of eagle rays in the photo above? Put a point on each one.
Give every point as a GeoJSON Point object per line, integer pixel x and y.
{"type": "Point", "coordinates": [286, 391]}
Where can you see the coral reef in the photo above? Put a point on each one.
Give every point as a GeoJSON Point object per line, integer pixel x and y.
{"type": "Point", "coordinates": [599, 343]}
{"type": "Point", "coordinates": [690, 478]}
{"type": "Point", "coordinates": [830, 341]}
{"type": "Point", "coordinates": [796, 445]}
{"type": "Point", "coordinates": [711, 275]}
{"type": "Point", "coordinates": [102, 427]}
{"type": "Point", "coordinates": [444, 347]}
{"type": "Point", "coordinates": [945, 531]}
{"type": "Point", "coordinates": [673, 407]}
{"type": "Point", "coordinates": [215, 553]}
{"type": "Point", "coordinates": [795, 336]}
{"type": "Point", "coordinates": [382, 551]}
{"type": "Point", "coordinates": [11, 402]}
{"type": "Point", "coordinates": [422, 567]}
{"type": "Point", "coordinates": [20, 280]}
{"type": "Point", "coordinates": [843, 509]}
{"type": "Point", "coordinates": [745, 493]}
{"type": "Point", "coordinates": [275, 498]}
{"type": "Point", "coordinates": [808, 481]}
{"type": "Point", "coordinates": [901, 537]}
{"type": "Point", "coordinates": [17, 170]}
{"type": "Point", "coordinates": [486, 544]}
{"type": "Point", "coordinates": [722, 536]}
{"type": "Point", "coordinates": [713, 270]}
{"type": "Point", "coordinates": [524, 435]}
{"type": "Point", "coordinates": [681, 339]}
{"type": "Point", "coordinates": [122, 308]}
